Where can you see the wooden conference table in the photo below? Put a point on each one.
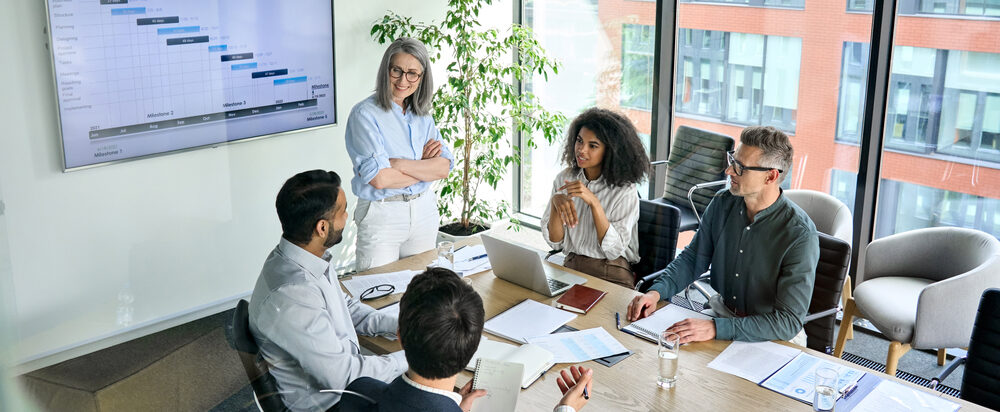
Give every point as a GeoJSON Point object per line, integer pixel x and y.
{"type": "Point", "coordinates": [630, 384]}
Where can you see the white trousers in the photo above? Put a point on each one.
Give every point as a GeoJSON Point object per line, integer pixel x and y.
{"type": "Point", "coordinates": [389, 231]}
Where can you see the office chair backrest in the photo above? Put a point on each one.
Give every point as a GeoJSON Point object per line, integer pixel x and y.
{"type": "Point", "coordinates": [658, 224]}
{"type": "Point", "coordinates": [265, 389]}
{"type": "Point", "coordinates": [830, 215]}
{"type": "Point", "coordinates": [834, 257]}
{"type": "Point", "coordinates": [696, 156]}
{"type": "Point", "coordinates": [981, 382]}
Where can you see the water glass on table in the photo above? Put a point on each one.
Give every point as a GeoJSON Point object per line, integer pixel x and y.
{"type": "Point", "coordinates": [446, 254]}
{"type": "Point", "coordinates": [667, 351]}
{"type": "Point", "coordinates": [826, 389]}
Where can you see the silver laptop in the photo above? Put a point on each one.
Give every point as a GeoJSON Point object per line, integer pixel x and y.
{"type": "Point", "coordinates": [523, 266]}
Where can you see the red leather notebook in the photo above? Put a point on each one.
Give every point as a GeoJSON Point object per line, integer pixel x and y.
{"type": "Point", "coordinates": [579, 299]}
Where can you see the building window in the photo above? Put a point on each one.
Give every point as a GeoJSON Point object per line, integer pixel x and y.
{"type": "Point", "coordinates": [741, 78]}
{"type": "Point", "coordinates": [860, 5]}
{"type": "Point", "coordinates": [912, 87]}
{"type": "Point", "coordinates": [637, 66]}
{"type": "Point", "coordinates": [853, 79]}
{"type": "Point", "coordinates": [843, 186]}
{"type": "Point", "coordinates": [970, 111]}
{"type": "Point", "coordinates": [702, 54]}
{"type": "Point", "coordinates": [932, 207]}
{"type": "Point", "coordinates": [946, 101]}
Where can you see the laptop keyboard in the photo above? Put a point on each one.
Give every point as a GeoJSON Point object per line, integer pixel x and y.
{"type": "Point", "coordinates": [556, 285]}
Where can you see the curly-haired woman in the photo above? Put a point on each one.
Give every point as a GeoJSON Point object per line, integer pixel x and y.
{"type": "Point", "coordinates": [594, 210]}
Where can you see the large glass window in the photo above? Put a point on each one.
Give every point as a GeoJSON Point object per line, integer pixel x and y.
{"type": "Point", "coordinates": [606, 48]}
{"type": "Point", "coordinates": [941, 166]}
{"type": "Point", "coordinates": [769, 66]}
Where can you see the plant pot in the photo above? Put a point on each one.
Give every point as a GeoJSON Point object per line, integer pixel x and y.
{"type": "Point", "coordinates": [448, 232]}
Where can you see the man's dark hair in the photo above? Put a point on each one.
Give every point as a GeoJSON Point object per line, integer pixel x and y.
{"type": "Point", "coordinates": [440, 323]}
{"type": "Point", "coordinates": [303, 200]}
{"type": "Point", "coordinates": [625, 159]}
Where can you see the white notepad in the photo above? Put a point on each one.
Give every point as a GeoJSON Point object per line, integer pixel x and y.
{"type": "Point", "coordinates": [502, 381]}
{"type": "Point", "coordinates": [527, 319]}
{"type": "Point", "coordinates": [649, 328]}
{"type": "Point", "coordinates": [536, 360]}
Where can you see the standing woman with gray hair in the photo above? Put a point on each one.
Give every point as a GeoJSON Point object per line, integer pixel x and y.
{"type": "Point", "coordinates": [397, 153]}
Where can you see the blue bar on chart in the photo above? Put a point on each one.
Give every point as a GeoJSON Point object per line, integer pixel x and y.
{"type": "Point", "coordinates": [240, 56]}
{"type": "Point", "coordinates": [289, 80]}
{"type": "Point", "coordinates": [129, 10]}
{"type": "Point", "coordinates": [157, 20]}
{"type": "Point", "coordinates": [245, 66]}
{"type": "Point", "coordinates": [269, 73]}
{"type": "Point", "coordinates": [217, 48]}
{"type": "Point", "coordinates": [178, 30]}
{"type": "Point", "coordinates": [187, 40]}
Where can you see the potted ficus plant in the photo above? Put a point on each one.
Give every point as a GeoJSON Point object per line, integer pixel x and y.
{"type": "Point", "coordinates": [479, 107]}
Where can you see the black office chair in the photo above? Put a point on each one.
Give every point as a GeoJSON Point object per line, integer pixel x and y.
{"type": "Point", "coordinates": [697, 162]}
{"type": "Point", "coordinates": [265, 389]}
{"type": "Point", "coordinates": [659, 224]}
{"type": "Point", "coordinates": [981, 382]}
{"type": "Point", "coordinates": [834, 258]}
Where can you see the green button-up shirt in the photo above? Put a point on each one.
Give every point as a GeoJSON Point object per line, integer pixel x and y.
{"type": "Point", "coordinates": [764, 270]}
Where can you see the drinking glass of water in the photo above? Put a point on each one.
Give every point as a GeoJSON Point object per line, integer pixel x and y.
{"type": "Point", "coordinates": [826, 389]}
{"type": "Point", "coordinates": [667, 352]}
{"type": "Point", "coordinates": [446, 254]}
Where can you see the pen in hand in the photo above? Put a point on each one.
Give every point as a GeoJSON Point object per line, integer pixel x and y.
{"type": "Point", "coordinates": [618, 321]}
{"type": "Point", "coordinates": [586, 394]}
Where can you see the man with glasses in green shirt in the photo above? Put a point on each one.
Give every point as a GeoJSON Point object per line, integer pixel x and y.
{"type": "Point", "coordinates": [761, 247]}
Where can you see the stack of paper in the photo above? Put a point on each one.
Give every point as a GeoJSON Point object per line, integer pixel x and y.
{"type": "Point", "coordinates": [527, 319]}
{"type": "Point", "coordinates": [753, 361]}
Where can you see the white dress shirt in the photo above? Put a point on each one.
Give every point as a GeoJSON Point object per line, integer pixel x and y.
{"type": "Point", "coordinates": [621, 206]}
{"type": "Point", "coordinates": [305, 326]}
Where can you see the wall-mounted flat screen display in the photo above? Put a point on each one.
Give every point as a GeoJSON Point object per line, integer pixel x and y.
{"type": "Point", "coordinates": [136, 78]}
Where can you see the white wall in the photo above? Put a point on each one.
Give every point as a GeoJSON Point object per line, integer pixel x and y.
{"type": "Point", "coordinates": [182, 235]}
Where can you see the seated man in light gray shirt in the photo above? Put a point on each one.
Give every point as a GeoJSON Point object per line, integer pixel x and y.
{"type": "Point", "coordinates": [301, 319]}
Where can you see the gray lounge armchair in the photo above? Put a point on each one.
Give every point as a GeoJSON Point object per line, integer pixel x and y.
{"type": "Point", "coordinates": [921, 289]}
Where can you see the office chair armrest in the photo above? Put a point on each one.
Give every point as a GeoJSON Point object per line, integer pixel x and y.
{"type": "Point", "coordinates": [947, 371]}
{"type": "Point", "coordinates": [658, 162]}
{"type": "Point", "coordinates": [813, 316]}
{"type": "Point", "coordinates": [699, 186]}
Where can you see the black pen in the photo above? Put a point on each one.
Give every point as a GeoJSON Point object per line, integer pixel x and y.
{"type": "Point", "coordinates": [618, 321]}
{"type": "Point", "coordinates": [586, 395]}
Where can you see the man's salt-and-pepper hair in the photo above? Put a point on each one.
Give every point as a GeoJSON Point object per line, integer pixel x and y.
{"type": "Point", "coordinates": [420, 100]}
{"type": "Point", "coordinates": [776, 148]}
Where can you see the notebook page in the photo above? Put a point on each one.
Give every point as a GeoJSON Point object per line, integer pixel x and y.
{"type": "Point", "coordinates": [527, 319]}
{"type": "Point", "coordinates": [502, 381]}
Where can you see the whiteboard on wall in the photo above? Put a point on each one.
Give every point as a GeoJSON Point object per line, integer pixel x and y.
{"type": "Point", "coordinates": [137, 78]}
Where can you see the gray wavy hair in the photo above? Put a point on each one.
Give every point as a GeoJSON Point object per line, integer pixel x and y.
{"type": "Point", "coordinates": [420, 100]}
{"type": "Point", "coordinates": [776, 148]}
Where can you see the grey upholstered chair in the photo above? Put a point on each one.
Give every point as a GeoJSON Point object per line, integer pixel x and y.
{"type": "Point", "coordinates": [831, 217]}
{"type": "Point", "coordinates": [921, 288]}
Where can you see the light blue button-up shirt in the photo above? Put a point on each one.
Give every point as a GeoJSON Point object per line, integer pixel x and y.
{"type": "Point", "coordinates": [374, 136]}
{"type": "Point", "coordinates": [305, 327]}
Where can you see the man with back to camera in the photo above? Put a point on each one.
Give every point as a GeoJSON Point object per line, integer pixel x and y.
{"type": "Point", "coordinates": [762, 248]}
{"type": "Point", "coordinates": [304, 324]}
{"type": "Point", "coordinates": [440, 325]}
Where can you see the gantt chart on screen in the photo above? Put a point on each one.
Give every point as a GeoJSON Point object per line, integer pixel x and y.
{"type": "Point", "coordinates": [140, 77]}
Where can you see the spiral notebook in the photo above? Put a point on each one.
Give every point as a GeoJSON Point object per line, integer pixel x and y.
{"type": "Point", "coordinates": [502, 381]}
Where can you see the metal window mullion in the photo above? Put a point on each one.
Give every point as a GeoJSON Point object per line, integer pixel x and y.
{"type": "Point", "coordinates": [663, 90]}
{"type": "Point", "coordinates": [883, 20]}
{"type": "Point", "coordinates": [517, 18]}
